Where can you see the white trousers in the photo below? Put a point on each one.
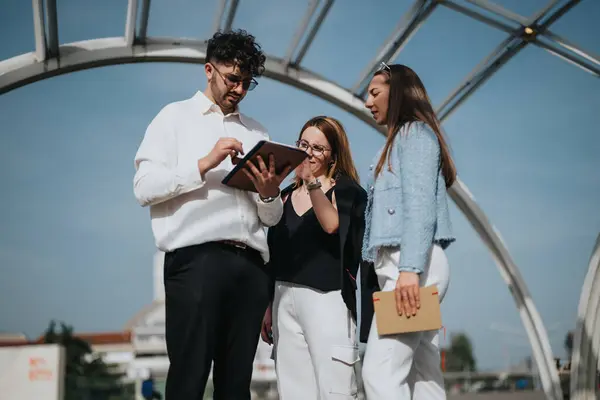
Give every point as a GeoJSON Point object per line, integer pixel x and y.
{"type": "Point", "coordinates": [315, 348]}
{"type": "Point", "coordinates": [405, 366]}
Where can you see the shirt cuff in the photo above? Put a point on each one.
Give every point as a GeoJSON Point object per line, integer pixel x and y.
{"type": "Point", "coordinates": [190, 178]}
{"type": "Point", "coordinates": [410, 269]}
{"type": "Point", "coordinates": [270, 213]}
{"type": "Point", "coordinates": [274, 199]}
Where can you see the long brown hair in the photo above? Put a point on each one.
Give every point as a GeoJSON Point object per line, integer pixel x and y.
{"type": "Point", "coordinates": [408, 102]}
{"type": "Point", "coordinates": [341, 163]}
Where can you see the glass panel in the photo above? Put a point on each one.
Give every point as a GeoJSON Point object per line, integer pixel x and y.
{"type": "Point", "coordinates": [518, 131]}
{"type": "Point", "coordinates": [577, 26]}
{"type": "Point", "coordinates": [526, 9]}
{"type": "Point", "coordinates": [273, 22]}
{"type": "Point", "coordinates": [350, 37]}
{"type": "Point", "coordinates": [182, 18]}
{"type": "Point", "coordinates": [90, 19]}
{"type": "Point", "coordinates": [446, 49]}
{"type": "Point", "coordinates": [16, 28]}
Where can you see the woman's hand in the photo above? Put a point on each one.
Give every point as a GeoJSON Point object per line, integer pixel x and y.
{"type": "Point", "coordinates": [303, 171]}
{"type": "Point", "coordinates": [407, 294]}
{"type": "Point", "coordinates": [266, 332]}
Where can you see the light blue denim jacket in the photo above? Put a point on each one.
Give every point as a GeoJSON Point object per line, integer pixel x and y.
{"type": "Point", "coordinates": [408, 206]}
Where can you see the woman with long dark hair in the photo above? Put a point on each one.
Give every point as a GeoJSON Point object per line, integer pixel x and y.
{"type": "Point", "coordinates": [315, 255]}
{"type": "Point", "coordinates": [407, 229]}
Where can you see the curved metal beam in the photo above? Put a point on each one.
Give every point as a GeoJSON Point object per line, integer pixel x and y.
{"type": "Point", "coordinates": [308, 16]}
{"type": "Point", "coordinates": [52, 22]}
{"type": "Point", "coordinates": [409, 24]}
{"type": "Point", "coordinates": [532, 321]}
{"type": "Point", "coordinates": [219, 16]}
{"type": "Point", "coordinates": [132, 10]}
{"type": "Point", "coordinates": [144, 17]}
{"type": "Point", "coordinates": [313, 31]}
{"type": "Point", "coordinates": [39, 29]}
{"type": "Point", "coordinates": [231, 15]}
{"type": "Point", "coordinates": [586, 340]}
{"type": "Point", "coordinates": [23, 70]}
{"type": "Point", "coordinates": [500, 11]}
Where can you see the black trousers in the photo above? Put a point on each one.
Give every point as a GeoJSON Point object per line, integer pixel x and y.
{"type": "Point", "coordinates": [216, 296]}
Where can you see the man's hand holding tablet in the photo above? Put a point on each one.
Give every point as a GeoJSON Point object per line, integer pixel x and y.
{"type": "Point", "coordinates": [266, 181]}
{"type": "Point", "coordinates": [251, 173]}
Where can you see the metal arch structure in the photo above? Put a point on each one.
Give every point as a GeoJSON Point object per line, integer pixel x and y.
{"type": "Point", "coordinates": [521, 32]}
{"type": "Point", "coordinates": [586, 340]}
{"type": "Point", "coordinates": [51, 59]}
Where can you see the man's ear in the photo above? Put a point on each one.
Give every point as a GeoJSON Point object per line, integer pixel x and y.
{"type": "Point", "coordinates": [208, 70]}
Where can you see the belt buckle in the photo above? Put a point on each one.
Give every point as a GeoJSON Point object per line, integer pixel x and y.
{"type": "Point", "coordinates": [236, 244]}
{"type": "Point", "coordinates": [239, 245]}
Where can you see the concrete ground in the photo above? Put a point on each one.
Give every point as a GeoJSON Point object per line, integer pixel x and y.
{"type": "Point", "coordinates": [272, 395]}
{"type": "Point", "coordinates": [499, 396]}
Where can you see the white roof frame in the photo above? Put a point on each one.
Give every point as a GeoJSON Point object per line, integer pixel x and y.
{"type": "Point", "coordinates": [51, 59]}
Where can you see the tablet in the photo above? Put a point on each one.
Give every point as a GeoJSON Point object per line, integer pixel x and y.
{"type": "Point", "coordinates": [284, 155]}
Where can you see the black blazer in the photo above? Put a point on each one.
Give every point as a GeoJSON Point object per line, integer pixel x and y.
{"type": "Point", "coordinates": [351, 201]}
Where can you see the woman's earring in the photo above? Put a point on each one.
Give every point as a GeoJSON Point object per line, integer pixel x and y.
{"type": "Point", "coordinates": [331, 165]}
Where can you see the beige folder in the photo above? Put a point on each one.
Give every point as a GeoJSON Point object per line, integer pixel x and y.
{"type": "Point", "coordinates": [429, 316]}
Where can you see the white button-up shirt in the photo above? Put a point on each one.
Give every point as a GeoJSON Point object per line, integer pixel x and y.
{"type": "Point", "coordinates": [185, 208]}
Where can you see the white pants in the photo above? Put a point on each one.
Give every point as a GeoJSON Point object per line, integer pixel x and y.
{"type": "Point", "coordinates": [315, 347]}
{"type": "Point", "coordinates": [405, 366]}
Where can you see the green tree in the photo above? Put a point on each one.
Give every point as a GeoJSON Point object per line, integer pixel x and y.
{"type": "Point", "coordinates": [86, 374]}
{"type": "Point", "coordinates": [459, 356]}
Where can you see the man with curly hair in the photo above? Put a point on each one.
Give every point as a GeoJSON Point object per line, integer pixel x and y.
{"type": "Point", "coordinates": [216, 285]}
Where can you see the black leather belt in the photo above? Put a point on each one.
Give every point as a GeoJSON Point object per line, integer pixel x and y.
{"type": "Point", "coordinates": [235, 243]}
{"type": "Point", "coordinates": [241, 246]}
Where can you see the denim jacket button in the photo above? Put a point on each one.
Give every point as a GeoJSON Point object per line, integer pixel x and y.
{"type": "Point", "coordinates": [371, 167]}
{"type": "Point", "coordinates": [391, 211]}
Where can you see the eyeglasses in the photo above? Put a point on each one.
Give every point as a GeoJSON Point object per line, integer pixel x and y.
{"type": "Point", "coordinates": [316, 149]}
{"type": "Point", "coordinates": [233, 81]}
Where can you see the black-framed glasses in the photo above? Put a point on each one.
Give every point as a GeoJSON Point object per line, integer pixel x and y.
{"type": "Point", "coordinates": [316, 149]}
{"type": "Point", "coordinates": [233, 81]}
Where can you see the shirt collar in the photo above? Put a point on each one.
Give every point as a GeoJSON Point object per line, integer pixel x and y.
{"type": "Point", "coordinates": [206, 106]}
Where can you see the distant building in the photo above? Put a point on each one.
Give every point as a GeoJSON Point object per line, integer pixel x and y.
{"type": "Point", "coordinates": [139, 349]}
{"type": "Point", "coordinates": [7, 338]}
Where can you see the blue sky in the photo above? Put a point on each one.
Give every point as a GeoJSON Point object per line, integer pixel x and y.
{"type": "Point", "coordinates": [75, 246]}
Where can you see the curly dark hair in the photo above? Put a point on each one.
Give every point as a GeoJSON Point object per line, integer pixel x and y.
{"type": "Point", "coordinates": [238, 47]}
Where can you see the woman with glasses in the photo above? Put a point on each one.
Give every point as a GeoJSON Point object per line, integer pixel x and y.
{"type": "Point", "coordinates": [315, 254]}
{"type": "Point", "coordinates": [407, 229]}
